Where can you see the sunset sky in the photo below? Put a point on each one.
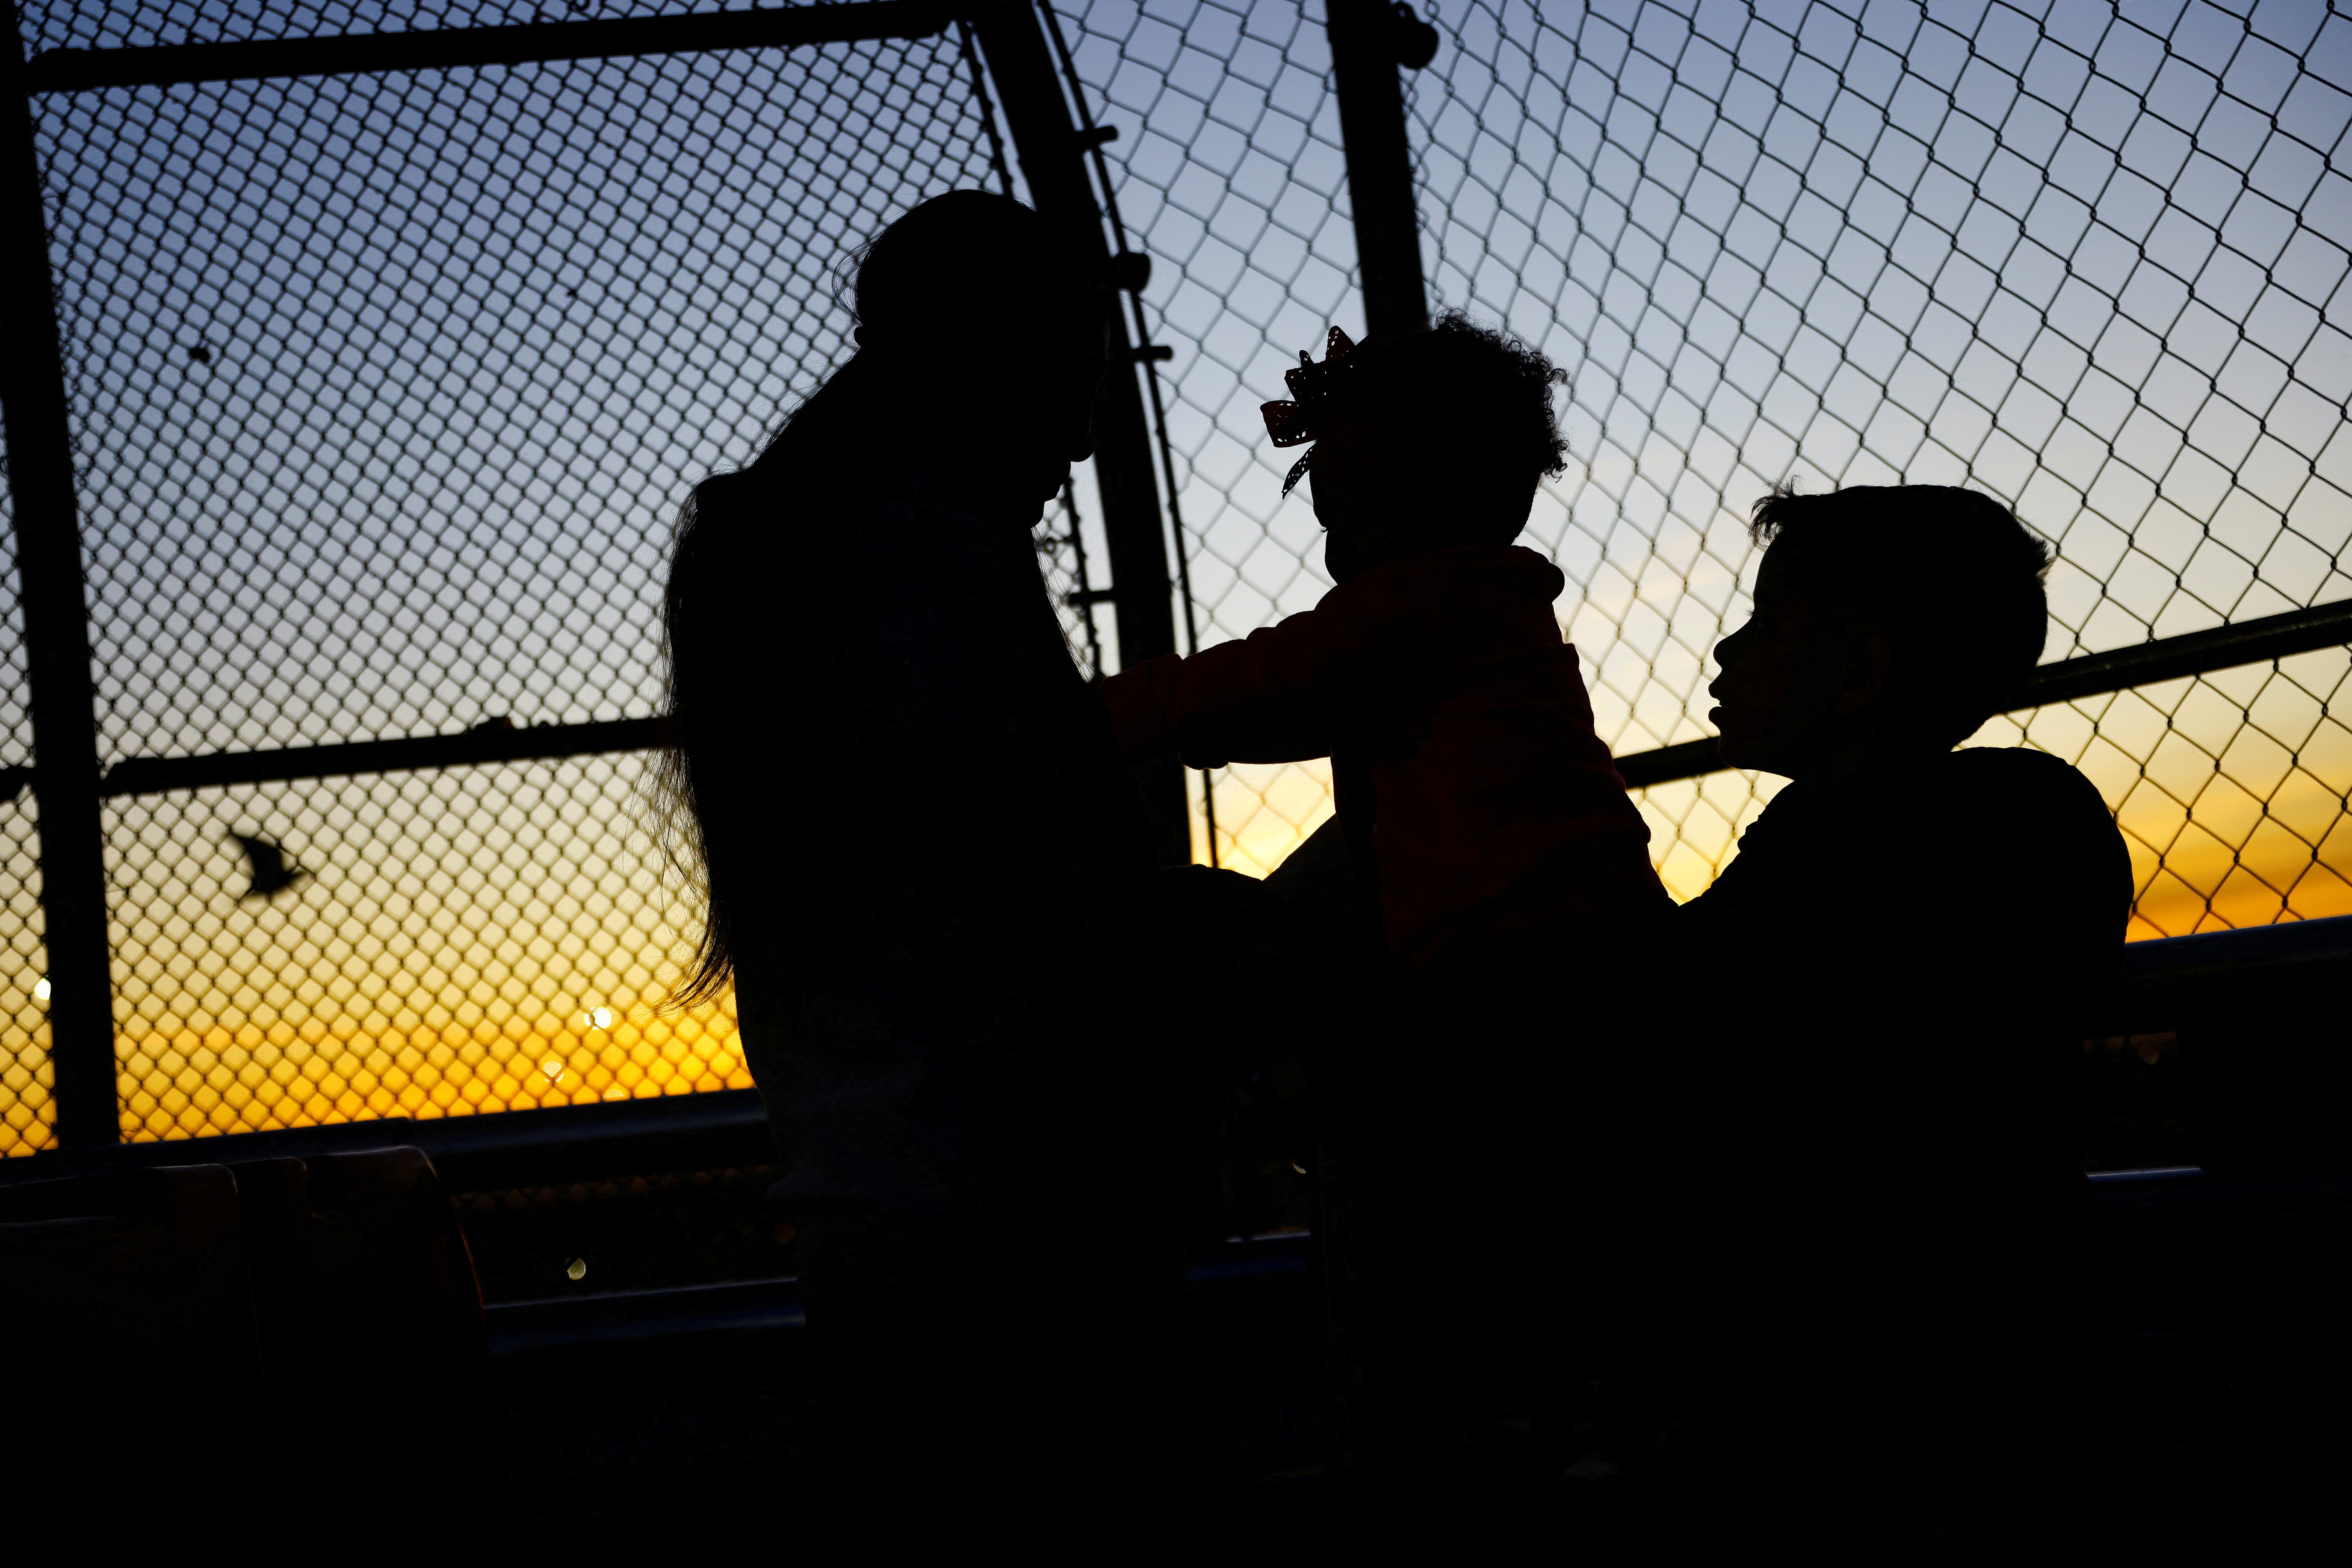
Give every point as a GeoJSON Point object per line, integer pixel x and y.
{"type": "Point", "coordinates": [385, 388]}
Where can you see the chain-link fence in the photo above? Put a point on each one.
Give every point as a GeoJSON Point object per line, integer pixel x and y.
{"type": "Point", "coordinates": [1229, 173]}
{"type": "Point", "coordinates": [27, 1116]}
{"type": "Point", "coordinates": [384, 388]}
{"type": "Point", "coordinates": [384, 385]}
{"type": "Point", "coordinates": [2088, 259]}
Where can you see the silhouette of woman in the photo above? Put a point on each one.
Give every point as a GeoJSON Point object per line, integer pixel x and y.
{"type": "Point", "coordinates": [928, 871]}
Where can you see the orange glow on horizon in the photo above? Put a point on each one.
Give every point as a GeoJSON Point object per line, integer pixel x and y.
{"type": "Point", "coordinates": [2230, 790]}
{"type": "Point", "coordinates": [179, 1081]}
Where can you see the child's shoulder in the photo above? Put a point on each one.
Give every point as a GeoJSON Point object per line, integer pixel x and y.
{"type": "Point", "coordinates": [2020, 773]}
{"type": "Point", "coordinates": [2016, 802]}
{"type": "Point", "coordinates": [1510, 570]}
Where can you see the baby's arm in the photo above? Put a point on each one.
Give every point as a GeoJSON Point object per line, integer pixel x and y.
{"type": "Point", "coordinates": [1373, 645]}
{"type": "Point", "coordinates": [1253, 700]}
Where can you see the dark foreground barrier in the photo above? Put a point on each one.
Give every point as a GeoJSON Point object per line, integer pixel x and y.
{"type": "Point", "coordinates": [334, 1281]}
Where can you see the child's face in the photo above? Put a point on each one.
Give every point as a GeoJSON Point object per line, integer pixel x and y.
{"type": "Point", "coordinates": [1381, 493]}
{"type": "Point", "coordinates": [1798, 680]}
{"type": "Point", "coordinates": [1353, 488]}
{"type": "Point", "coordinates": [1384, 487]}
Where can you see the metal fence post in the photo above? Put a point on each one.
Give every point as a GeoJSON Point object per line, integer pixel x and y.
{"type": "Point", "coordinates": [1367, 38]}
{"type": "Point", "coordinates": [57, 635]}
{"type": "Point", "coordinates": [1365, 54]}
{"type": "Point", "coordinates": [1051, 155]}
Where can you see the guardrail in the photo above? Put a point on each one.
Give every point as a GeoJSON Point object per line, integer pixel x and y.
{"type": "Point", "coordinates": [2160, 981]}
{"type": "Point", "coordinates": [2091, 675]}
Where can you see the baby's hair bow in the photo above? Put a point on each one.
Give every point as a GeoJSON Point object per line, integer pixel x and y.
{"type": "Point", "coordinates": [1314, 391]}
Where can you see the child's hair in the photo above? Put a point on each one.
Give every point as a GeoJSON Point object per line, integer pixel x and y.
{"type": "Point", "coordinates": [1477, 397]}
{"type": "Point", "coordinates": [968, 277]}
{"type": "Point", "coordinates": [1949, 576]}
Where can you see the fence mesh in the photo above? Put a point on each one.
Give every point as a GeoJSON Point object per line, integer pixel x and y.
{"type": "Point", "coordinates": [26, 1117]}
{"type": "Point", "coordinates": [384, 389]}
{"type": "Point", "coordinates": [2088, 259]}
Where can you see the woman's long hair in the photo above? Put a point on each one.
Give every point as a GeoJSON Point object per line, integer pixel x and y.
{"type": "Point", "coordinates": [723, 558]}
{"type": "Point", "coordinates": [962, 258]}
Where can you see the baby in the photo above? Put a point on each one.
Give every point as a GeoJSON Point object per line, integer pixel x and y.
{"type": "Point", "coordinates": [1468, 773]}
{"type": "Point", "coordinates": [1460, 1081]}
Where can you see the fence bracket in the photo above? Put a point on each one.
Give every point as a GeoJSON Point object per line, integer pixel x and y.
{"type": "Point", "coordinates": [1051, 154]}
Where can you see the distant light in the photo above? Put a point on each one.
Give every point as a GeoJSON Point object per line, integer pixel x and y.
{"type": "Point", "coordinates": [576, 1268]}
{"type": "Point", "coordinates": [553, 1068]}
{"type": "Point", "coordinates": [41, 989]}
{"type": "Point", "coordinates": [600, 1018]}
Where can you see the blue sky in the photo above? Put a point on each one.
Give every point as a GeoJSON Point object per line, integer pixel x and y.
{"type": "Point", "coordinates": [385, 389]}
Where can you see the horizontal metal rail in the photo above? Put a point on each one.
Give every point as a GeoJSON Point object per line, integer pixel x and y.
{"type": "Point", "coordinates": [2194, 653]}
{"type": "Point", "coordinates": [2091, 675]}
{"type": "Point", "coordinates": [776, 1305]}
{"type": "Point", "coordinates": [448, 49]}
{"type": "Point", "coordinates": [2161, 984]}
{"type": "Point", "coordinates": [498, 741]}
{"type": "Point", "coordinates": [2255, 973]}
{"type": "Point", "coordinates": [724, 1128]}
{"type": "Point", "coordinates": [2167, 658]}
{"type": "Point", "coordinates": [578, 1322]}
{"type": "Point", "coordinates": [1688, 761]}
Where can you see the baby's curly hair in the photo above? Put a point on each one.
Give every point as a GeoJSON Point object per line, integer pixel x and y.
{"type": "Point", "coordinates": [1475, 389]}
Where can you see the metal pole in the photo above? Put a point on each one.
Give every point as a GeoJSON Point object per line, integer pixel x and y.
{"type": "Point", "coordinates": [57, 635]}
{"type": "Point", "coordinates": [1365, 38]}
{"type": "Point", "coordinates": [1052, 156]}
{"type": "Point", "coordinates": [1365, 49]}
{"type": "Point", "coordinates": [2228, 647]}
{"type": "Point", "coordinates": [1134, 279]}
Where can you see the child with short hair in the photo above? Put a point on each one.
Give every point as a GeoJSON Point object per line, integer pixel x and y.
{"type": "Point", "coordinates": [1981, 891]}
{"type": "Point", "coordinates": [1899, 967]}
{"type": "Point", "coordinates": [1468, 776]}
